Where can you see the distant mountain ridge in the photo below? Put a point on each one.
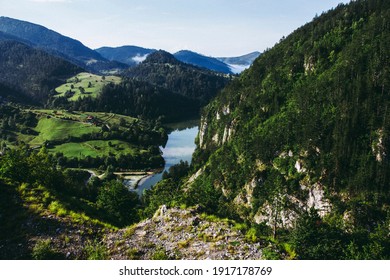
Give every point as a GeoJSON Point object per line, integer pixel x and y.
{"type": "Point", "coordinates": [240, 63]}
{"type": "Point", "coordinates": [203, 61]}
{"type": "Point", "coordinates": [130, 55]}
{"type": "Point", "coordinates": [133, 55]}
{"type": "Point", "coordinates": [108, 59]}
{"type": "Point", "coordinates": [57, 44]}
{"type": "Point", "coordinates": [246, 59]}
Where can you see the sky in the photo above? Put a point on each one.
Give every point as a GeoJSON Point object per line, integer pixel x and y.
{"type": "Point", "coordinates": [210, 27]}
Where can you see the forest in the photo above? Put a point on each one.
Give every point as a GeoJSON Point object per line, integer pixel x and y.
{"type": "Point", "coordinates": [293, 153]}
{"type": "Point", "coordinates": [297, 146]}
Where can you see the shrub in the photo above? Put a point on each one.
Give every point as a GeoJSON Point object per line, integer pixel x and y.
{"type": "Point", "coordinates": [95, 251]}
{"type": "Point", "coordinates": [43, 251]}
{"type": "Point", "coordinates": [119, 203]}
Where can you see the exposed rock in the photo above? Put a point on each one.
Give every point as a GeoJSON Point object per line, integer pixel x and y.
{"type": "Point", "coordinates": [226, 110]}
{"type": "Point", "coordinates": [216, 138]}
{"type": "Point", "coordinates": [378, 148]}
{"type": "Point", "coordinates": [196, 175]}
{"type": "Point", "coordinates": [202, 132]}
{"type": "Point", "coordinates": [318, 201]}
{"type": "Point", "coordinates": [182, 234]}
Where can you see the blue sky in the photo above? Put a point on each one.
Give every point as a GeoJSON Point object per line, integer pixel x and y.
{"type": "Point", "coordinates": [210, 27]}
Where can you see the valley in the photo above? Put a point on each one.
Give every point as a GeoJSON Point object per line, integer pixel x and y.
{"type": "Point", "coordinates": [287, 159]}
{"type": "Point", "coordinates": [88, 139]}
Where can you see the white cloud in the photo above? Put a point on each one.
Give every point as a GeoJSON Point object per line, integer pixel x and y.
{"type": "Point", "coordinates": [237, 69]}
{"type": "Point", "coordinates": [139, 58]}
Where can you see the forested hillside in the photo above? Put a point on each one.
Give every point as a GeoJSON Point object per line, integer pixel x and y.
{"type": "Point", "coordinates": [31, 72]}
{"type": "Point", "coordinates": [134, 98]}
{"type": "Point", "coordinates": [298, 145]}
{"type": "Point", "coordinates": [56, 44]}
{"type": "Point", "coordinates": [203, 61]}
{"type": "Point", "coordinates": [164, 70]}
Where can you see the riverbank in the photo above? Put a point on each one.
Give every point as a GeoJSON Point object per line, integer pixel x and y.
{"type": "Point", "coordinates": [132, 179]}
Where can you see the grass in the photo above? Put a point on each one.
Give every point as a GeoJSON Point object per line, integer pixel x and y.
{"type": "Point", "coordinates": [92, 85]}
{"type": "Point", "coordinates": [43, 250]}
{"type": "Point", "coordinates": [60, 125]}
{"type": "Point", "coordinates": [108, 118]}
{"type": "Point", "coordinates": [94, 148]}
{"type": "Point", "coordinates": [57, 129]}
{"type": "Point", "coordinates": [41, 200]}
{"type": "Point", "coordinates": [95, 251]}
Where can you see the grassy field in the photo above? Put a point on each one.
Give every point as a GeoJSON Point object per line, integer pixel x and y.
{"type": "Point", "coordinates": [91, 84]}
{"type": "Point", "coordinates": [78, 135]}
{"type": "Point", "coordinates": [58, 129]}
{"type": "Point", "coordinates": [94, 148]}
{"type": "Point", "coordinates": [58, 125]}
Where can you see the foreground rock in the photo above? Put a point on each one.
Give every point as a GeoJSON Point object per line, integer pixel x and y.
{"type": "Point", "coordinates": [182, 234]}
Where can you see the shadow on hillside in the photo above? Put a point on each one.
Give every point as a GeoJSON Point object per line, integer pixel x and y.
{"type": "Point", "coordinates": [20, 228]}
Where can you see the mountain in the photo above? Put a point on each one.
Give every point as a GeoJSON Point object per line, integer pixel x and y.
{"type": "Point", "coordinates": [246, 59]}
{"type": "Point", "coordinates": [298, 146]}
{"type": "Point", "coordinates": [163, 69]}
{"type": "Point", "coordinates": [130, 55]}
{"type": "Point", "coordinates": [31, 72]}
{"type": "Point", "coordinates": [202, 61]}
{"type": "Point", "coordinates": [240, 63]}
{"type": "Point", "coordinates": [57, 44]}
{"type": "Point", "coordinates": [5, 36]}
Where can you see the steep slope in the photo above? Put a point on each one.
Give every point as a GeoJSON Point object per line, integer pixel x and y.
{"type": "Point", "coordinates": [163, 69]}
{"type": "Point", "coordinates": [183, 234]}
{"type": "Point", "coordinates": [202, 61]}
{"type": "Point", "coordinates": [31, 72]}
{"type": "Point", "coordinates": [57, 44]}
{"type": "Point", "coordinates": [307, 126]}
{"type": "Point", "coordinates": [130, 55]}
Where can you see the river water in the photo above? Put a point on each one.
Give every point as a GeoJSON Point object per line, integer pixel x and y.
{"type": "Point", "coordinates": [180, 146]}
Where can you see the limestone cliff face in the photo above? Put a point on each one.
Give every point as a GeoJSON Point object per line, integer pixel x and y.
{"type": "Point", "coordinates": [306, 126]}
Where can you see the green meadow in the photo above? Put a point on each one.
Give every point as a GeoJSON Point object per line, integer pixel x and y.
{"type": "Point", "coordinates": [55, 129]}
{"type": "Point", "coordinates": [61, 125]}
{"type": "Point", "coordinates": [85, 84]}
{"type": "Point", "coordinates": [94, 148]}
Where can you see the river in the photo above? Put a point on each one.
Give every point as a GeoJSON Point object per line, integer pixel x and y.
{"type": "Point", "coordinates": [180, 146]}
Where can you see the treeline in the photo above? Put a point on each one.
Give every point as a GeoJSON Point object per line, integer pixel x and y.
{"type": "Point", "coordinates": [146, 160]}
{"type": "Point", "coordinates": [136, 99]}
{"type": "Point", "coordinates": [12, 120]}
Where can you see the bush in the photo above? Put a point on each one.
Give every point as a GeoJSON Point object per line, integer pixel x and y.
{"type": "Point", "coordinates": [95, 251]}
{"type": "Point", "coordinates": [160, 254]}
{"type": "Point", "coordinates": [43, 251]}
{"type": "Point", "coordinates": [119, 203]}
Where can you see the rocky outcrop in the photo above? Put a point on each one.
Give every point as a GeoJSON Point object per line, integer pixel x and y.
{"type": "Point", "coordinates": [182, 234]}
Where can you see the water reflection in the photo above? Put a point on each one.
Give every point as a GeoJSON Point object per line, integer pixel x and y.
{"type": "Point", "coordinates": [180, 146]}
